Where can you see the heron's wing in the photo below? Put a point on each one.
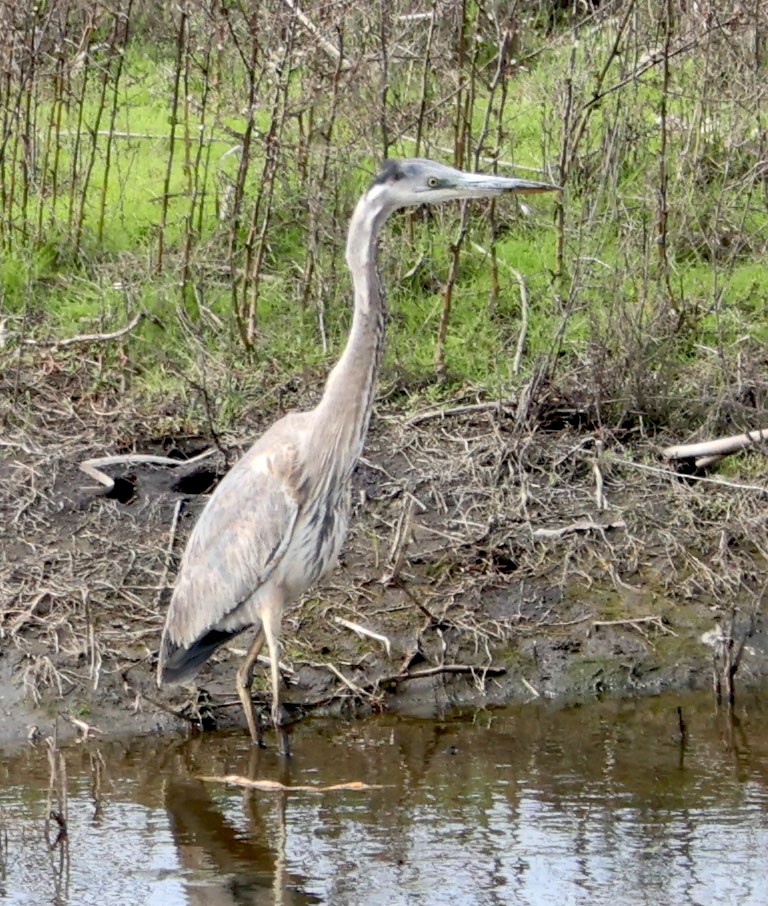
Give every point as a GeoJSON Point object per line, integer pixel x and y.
{"type": "Point", "coordinates": [237, 542]}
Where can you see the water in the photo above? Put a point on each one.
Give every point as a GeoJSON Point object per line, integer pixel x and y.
{"type": "Point", "coordinates": [600, 804]}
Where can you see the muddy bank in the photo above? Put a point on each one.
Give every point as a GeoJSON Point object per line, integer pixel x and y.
{"type": "Point", "coordinates": [503, 559]}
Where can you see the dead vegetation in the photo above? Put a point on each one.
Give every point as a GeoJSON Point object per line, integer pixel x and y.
{"type": "Point", "coordinates": [493, 559]}
{"type": "Point", "coordinates": [167, 237]}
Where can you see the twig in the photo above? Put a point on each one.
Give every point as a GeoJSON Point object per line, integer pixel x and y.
{"type": "Point", "coordinates": [523, 334]}
{"type": "Point", "coordinates": [597, 468]}
{"type": "Point", "coordinates": [442, 668]}
{"type": "Point", "coordinates": [583, 525]}
{"type": "Point", "coordinates": [508, 406]}
{"type": "Point", "coordinates": [163, 583]}
{"type": "Point", "coordinates": [399, 542]}
{"type": "Point", "coordinates": [85, 730]}
{"type": "Point", "coordinates": [736, 485]}
{"type": "Point", "coordinates": [358, 690]}
{"type": "Point", "coordinates": [313, 30]}
{"type": "Point", "coordinates": [636, 622]}
{"type": "Point", "coordinates": [362, 630]}
{"type": "Point", "coordinates": [532, 689]}
{"type": "Point", "coordinates": [90, 337]}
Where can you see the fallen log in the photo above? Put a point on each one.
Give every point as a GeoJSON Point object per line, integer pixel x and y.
{"type": "Point", "coordinates": [718, 447]}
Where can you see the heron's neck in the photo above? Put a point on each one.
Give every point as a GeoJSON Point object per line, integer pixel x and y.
{"type": "Point", "coordinates": [345, 408]}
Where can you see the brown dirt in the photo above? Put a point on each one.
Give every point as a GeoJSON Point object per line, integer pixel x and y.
{"type": "Point", "coordinates": [445, 557]}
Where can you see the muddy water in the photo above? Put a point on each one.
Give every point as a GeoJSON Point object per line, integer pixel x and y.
{"type": "Point", "coordinates": [535, 805]}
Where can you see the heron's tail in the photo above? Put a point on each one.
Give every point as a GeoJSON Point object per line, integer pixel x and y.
{"type": "Point", "coordinates": [178, 663]}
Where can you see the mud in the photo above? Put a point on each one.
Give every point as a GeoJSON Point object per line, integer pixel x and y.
{"type": "Point", "coordinates": [504, 558]}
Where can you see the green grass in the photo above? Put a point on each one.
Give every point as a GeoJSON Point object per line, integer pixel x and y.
{"type": "Point", "coordinates": [610, 304]}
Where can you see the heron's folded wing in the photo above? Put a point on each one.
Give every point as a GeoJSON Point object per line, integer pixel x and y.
{"type": "Point", "coordinates": [239, 538]}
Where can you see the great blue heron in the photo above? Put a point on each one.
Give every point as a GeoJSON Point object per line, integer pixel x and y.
{"type": "Point", "coordinates": [275, 524]}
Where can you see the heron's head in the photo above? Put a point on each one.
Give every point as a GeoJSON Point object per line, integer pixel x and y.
{"type": "Point", "coordinates": [402, 183]}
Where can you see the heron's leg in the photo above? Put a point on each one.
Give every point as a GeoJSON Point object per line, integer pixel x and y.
{"type": "Point", "coordinates": [243, 681]}
{"type": "Point", "coordinates": [270, 622]}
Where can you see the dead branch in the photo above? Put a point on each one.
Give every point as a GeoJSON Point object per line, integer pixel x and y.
{"type": "Point", "coordinates": [523, 335]}
{"type": "Point", "coordinates": [163, 583]}
{"type": "Point", "coordinates": [719, 446]}
{"type": "Point", "coordinates": [636, 622]}
{"type": "Point", "coordinates": [90, 337]}
{"type": "Point", "coordinates": [723, 482]}
{"type": "Point", "coordinates": [314, 31]}
{"type": "Point", "coordinates": [583, 525]}
{"type": "Point", "coordinates": [362, 630]}
{"type": "Point", "coordinates": [508, 406]}
{"type": "Point", "coordinates": [442, 668]}
{"type": "Point", "coordinates": [92, 469]}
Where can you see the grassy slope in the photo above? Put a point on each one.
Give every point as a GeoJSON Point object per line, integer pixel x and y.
{"type": "Point", "coordinates": [614, 330]}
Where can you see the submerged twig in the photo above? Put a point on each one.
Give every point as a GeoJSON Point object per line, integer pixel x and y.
{"type": "Point", "coordinates": [274, 786]}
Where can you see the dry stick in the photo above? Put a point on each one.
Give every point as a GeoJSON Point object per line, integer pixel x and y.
{"type": "Point", "coordinates": [84, 182]}
{"type": "Point", "coordinates": [256, 243]}
{"type": "Point", "coordinates": [636, 622]}
{"type": "Point", "coordinates": [162, 584]}
{"type": "Point", "coordinates": [90, 337]}
{"type": "Point", "coordinates": [524, 304]}
{"type": "Point", "coordinates": [399, 542]}
{"type": "Point", "coordinates": [722, 445]}
{"type": "Point", "coordinates": [46, 194]}
{"type": "Point", "coordinates": [383, 81]}
{"type": "Point", "coordinates": [597, 468]}
{"type": "Point", "coordinates": [364, 631]}
{"type": "Point", "coordinates": [222, 139]}
{"type": "Point", "coordinates": [251, 69]}
{"type": "Point", "coordinates": [522, 335]}
{"type": "Point", "coordinates": [583, 525]}
{"type": "Point", "coordinates": [175, 94]}
{"type": "Point", "coordinates": [737, 485]}
{"type": "Point", "coordinates": [508, 406]}
{"type": "Point", "coordinates": [442, 668]}
{"type": "Point", "coordinates": [308, 25]}
{"type": "Point", "coordinates": [662, 200]}
{"type": "Point", "coordinates": [92, 470]}
{"type": "Point", "coordinates": [358, 690]}
{"type": "Point", "coordinates": [79, 130]}
{"type": "Point", "coordinates": [123, 17]}
{"type": "Point", "coordinates": [424, 92]}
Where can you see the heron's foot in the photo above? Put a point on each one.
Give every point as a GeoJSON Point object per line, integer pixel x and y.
{"type": "Point", "coordinates": [283, 743]}
{"type": "Point", "coordinates": [280, 719]}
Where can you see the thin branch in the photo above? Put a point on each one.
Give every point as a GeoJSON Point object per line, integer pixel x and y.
{"type": "Point", "coordinates": [90, 337]}
{"type": "Point", "coordinates": [92, 467]}
{"type": "Point", "coordinates": [364, 631]}
{"type": "Point", "coordinates": [507, 406]}
{"type": "Point", "coordinates": [309, 26]}
{"type": "Point", "coordinates": [583, 525]}
{"type": "Point", "coordinates": [656, 470]}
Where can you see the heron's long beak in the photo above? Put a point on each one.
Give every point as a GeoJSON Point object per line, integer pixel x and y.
{"type": "Point", "coordinates": [478, 184]}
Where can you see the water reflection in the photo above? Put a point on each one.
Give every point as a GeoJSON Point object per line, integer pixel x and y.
{"type": "Point", "coordinates": [226, 866]}
{"type": "Point", "coordinates": [606, 803]}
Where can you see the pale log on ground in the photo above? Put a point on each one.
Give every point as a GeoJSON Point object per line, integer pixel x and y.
{"type": "Point", "coordinates": [719, 446]}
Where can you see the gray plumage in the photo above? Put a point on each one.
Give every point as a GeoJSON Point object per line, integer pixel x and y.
{"type": "Point", "coordinates": [276, 522]}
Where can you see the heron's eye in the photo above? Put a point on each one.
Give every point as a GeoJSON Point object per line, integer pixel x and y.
{"type": "Point", "coordinates": [433, 182]}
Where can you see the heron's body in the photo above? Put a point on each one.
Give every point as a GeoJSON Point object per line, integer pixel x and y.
{"type": "Point", "coordinates": [276, 523]}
